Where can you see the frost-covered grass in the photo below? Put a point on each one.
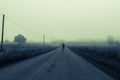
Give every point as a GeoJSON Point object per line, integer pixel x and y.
{"type": "Point", "coordinates": [14, 53]}
{"type": "Point", "coordinates": [107, 56]}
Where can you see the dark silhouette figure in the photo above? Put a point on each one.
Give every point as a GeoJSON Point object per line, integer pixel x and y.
{"type": "Point", "coordinates": [63, 46]}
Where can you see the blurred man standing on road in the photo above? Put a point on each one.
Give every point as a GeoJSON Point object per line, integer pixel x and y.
{"type": "Point", "coordinates": [63, 46]}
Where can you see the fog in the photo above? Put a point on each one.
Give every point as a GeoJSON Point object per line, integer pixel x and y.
{"type": "Point", "coordinates": [68, 20]}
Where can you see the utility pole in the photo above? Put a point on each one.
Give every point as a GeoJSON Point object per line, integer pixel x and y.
{"type": "Point", "coordinates": [2, 37]}
{"type": "Point", "coordinates": [43, 39]}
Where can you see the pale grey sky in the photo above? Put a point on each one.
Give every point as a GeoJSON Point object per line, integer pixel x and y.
{"type": "Point", "coordinates": [62, 19]}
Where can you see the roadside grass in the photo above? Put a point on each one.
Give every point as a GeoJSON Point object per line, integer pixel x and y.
{"type": "Point", "coordinates": [106, 58]}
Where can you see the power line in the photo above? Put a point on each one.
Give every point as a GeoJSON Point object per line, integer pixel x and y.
{"type": "Point", "coordinates": [21, 26]}
{"type": "Point", "coordinates": [18, 25]}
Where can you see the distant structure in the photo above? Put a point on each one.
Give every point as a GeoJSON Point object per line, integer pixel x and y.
{"type": "Point", "coordinates": [110, 40]}
{"type": "Point", "coordinates": [43, 39]}
{"type": "Point", "coordinates": [20, 39]}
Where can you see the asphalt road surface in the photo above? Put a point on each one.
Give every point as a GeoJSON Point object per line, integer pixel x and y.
{"type": "Point", "coordinates": [60, 64]}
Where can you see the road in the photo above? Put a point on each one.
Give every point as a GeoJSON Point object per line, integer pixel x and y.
{"type": "Point", "coordinates": [55, 65]}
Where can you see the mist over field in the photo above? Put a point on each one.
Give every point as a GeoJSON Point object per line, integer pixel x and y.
{"type": "Point", "coordinates": [68, 20]}
{"type": "Point", "coordinates": [59, 39]}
